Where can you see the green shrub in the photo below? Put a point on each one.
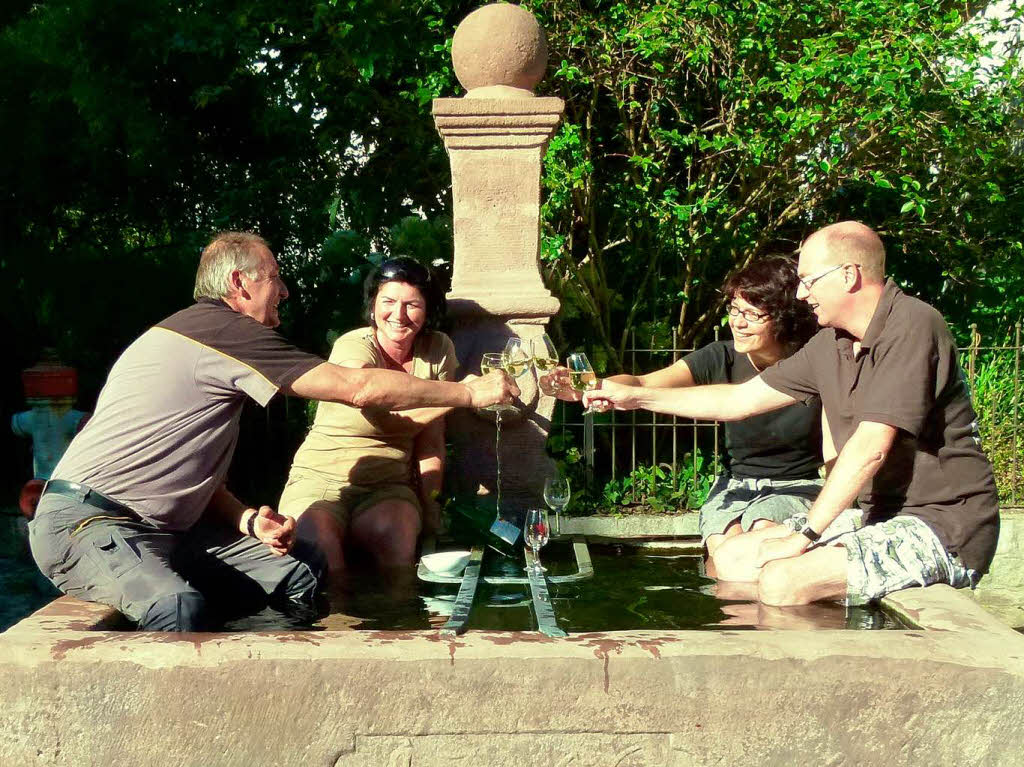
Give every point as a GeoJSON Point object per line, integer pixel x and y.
{"type": "Point", "coordinates": [658, 489]}
{"type": "Point", "coordinates": [992, 390]}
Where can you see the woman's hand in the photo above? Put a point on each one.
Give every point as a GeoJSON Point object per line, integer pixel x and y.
{"type": "Point", "coordinates": [556, 384]}
{"type": "Point", "coordinates": [609, 394]}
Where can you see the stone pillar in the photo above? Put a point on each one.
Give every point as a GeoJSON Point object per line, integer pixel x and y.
{"type": "Point", "coordinates": [496, 136]}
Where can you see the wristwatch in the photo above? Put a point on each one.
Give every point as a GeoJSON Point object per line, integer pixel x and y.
{"type": "Point", "coordinates": [809, 533]}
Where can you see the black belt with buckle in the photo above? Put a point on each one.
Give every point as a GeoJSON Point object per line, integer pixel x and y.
{"type": "Point", "coordinates": [85, 494]}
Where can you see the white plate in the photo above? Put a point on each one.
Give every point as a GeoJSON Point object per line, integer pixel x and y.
{"type": "Point", "coordinates": [446, 562]}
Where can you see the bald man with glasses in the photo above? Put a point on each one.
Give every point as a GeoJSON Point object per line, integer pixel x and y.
{"type": "Point", "coordinates": [886, 369]}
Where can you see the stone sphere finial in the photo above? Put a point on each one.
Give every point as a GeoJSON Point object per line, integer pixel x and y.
{"type": "Point", "coordinates": [500, 48]}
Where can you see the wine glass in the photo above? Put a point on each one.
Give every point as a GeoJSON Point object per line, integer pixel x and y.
{"type": "Point", "coordinates": [489, 363]}
{"type": "Point", "coordinates": [536, 533]}
{"type": "Point", "coordinates": [545, 356]}
{"type": "Point", "coordinates": [556, 496]}
{"type": "Point", "coordinates": [516, 357]}
{"type": "Point", "coordinates": [581, 375]}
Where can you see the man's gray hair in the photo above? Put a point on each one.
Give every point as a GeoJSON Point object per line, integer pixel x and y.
{"type": "Point", "coordinates": [227, 252]}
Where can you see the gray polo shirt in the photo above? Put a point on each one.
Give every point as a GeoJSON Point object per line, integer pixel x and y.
{"type": "Point", "coordinates": [166, 422]}
{"type": "Point", "coordinates": [906, 375]}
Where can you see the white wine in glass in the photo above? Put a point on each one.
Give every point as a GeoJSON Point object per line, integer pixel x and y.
{"type": "Point", "coordinates": [581, 374]}
{"type": "Point", "coordinates": [545, 357]}
{"type": "Point", "coordinates": [488, 364]}
{"type": "Point", "coordinates": [516, 357]}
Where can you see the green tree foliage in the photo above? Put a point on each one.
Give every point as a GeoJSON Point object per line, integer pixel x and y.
{"type": "Point", "coordinates": [132, 131]}
{"type": "Point", "coordinates": [699, 136]}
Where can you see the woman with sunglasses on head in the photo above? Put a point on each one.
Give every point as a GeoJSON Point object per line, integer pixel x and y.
{"type": "Point", "coordinates": [368, 478]}
{"type": "Point", "coordinates": [772, 461]}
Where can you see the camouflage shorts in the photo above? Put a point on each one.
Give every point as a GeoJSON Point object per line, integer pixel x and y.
{"type": "Point", "coordinates": [744, 500]}
{"type": "Point", "coordinates": [893, 555]}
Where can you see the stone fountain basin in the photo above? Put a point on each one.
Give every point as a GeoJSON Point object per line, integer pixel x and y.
{"type": "Point", "coordinates": [949, 690]}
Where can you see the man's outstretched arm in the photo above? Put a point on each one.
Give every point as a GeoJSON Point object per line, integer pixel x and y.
{"type": "Point", "coordinates": [393, 390]}
{"type": "Point", "coordinates": [719, 402]}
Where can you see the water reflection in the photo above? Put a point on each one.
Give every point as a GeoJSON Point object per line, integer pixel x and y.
{"type": "Point", "coordinates": [632, 589]}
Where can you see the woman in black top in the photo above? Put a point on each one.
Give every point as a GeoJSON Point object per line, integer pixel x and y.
{"type": "Point", "coordinates": [772, 461]}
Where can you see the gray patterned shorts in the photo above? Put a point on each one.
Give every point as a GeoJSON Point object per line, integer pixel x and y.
{"type": "Point", "coordinates": [891, 555]}
{"type": "Point", "coordinates": [748, 500]}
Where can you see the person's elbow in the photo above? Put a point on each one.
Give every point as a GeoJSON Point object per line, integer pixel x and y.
{"type": "Point", "coordinates": [876, 443]}
{"type": "Point", "coordinates": [361, 390]}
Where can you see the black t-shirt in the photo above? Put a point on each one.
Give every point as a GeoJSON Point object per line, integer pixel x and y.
{"type": "Point", "coordinates": [782, 444]}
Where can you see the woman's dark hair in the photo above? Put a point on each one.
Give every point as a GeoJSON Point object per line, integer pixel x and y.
{"type": "Point", "coordinates": [411, 272]}
{"type": "Point", "coordinates": [769, 285]}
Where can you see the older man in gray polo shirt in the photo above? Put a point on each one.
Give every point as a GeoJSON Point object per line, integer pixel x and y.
{"type": "Point", "coordinates": [137, 515]}
{"type": "Point", "coordinates": [886, 369]}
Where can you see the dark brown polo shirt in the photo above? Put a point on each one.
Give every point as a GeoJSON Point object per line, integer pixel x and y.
{"type": "Point", "coordinates": [906, 375]}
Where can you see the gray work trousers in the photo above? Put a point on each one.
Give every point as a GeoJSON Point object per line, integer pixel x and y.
{"type": "Point", "coordinates": [165, 580]}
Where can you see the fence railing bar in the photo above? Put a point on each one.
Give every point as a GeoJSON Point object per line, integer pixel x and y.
{"type": "Point", "coordinates": [654, 444]}
{"type": "Point", "coordinates": [1016, 415]}
{"type": "Point", "coordinates": [632, 457]}
{"type": "Point", "coordinates": [975, 369]}
{"type": "Point", "coordinates": [675, 420]}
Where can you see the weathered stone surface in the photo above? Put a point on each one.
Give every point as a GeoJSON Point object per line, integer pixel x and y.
{"type": "Point", "coordinates": [496, 137]}
{"type": "Point", "coordinates": [950, 696]}
{"type": "Point", "coordinates": [633, 526]}
{"type": "Point", "coordinates": [499, 45]}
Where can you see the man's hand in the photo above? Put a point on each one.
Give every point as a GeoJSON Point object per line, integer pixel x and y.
{"type": "Point", "coordinates": [557, 384]}
{"type": "Point", "coordinates": [609, 394]}
{"type": "Point", "coordinates": [274, 530]}
{"type": "Point", "coordinates": [495, 388]}
{"type": "Point", "coordinates": [792, 545]}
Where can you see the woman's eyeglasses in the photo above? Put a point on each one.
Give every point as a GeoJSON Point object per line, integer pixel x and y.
{"type": "Point", "coordinates": [747, 314]}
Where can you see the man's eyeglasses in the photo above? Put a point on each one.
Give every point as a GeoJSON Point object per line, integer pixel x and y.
{"type": "Point", "coordinates": [807, 282]}
{"type": "Point", "coordinates": [747, 314]}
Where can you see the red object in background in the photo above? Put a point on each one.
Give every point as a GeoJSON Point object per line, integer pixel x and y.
{"type": "Point", "coordinates": [49, 379]}
{"type": "Point", "coordinates": [28, 499]}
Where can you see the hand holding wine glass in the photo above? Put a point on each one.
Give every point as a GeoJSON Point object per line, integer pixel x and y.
{"type": "Point", "coordinates": [552, 379]}
{"type": "Point", "coordinates": [581, 375]}
{"type": "Point", "coordinates": [489, 363]}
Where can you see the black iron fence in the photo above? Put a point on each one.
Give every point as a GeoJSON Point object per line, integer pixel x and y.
{"type": "Point", "coordinates": [635, 451]}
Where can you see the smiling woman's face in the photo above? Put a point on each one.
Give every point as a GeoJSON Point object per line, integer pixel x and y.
{"type": "Point", "coordinates": [399, 312]}
{"type": "Point", "coordinates": [751, 337]}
